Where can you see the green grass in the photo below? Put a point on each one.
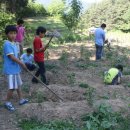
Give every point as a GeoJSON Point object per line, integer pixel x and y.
{"type": "Point", "coordinates": [102, 119]}
{"type": "Point", "coordinates": [51, 23]}
{"type": "Point", "coordinates": [53, 125]}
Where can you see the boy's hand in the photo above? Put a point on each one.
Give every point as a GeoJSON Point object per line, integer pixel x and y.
{"type": "Point", "coordinates": [23, 66]}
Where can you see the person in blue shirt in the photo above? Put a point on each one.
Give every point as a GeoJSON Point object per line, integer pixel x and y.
{"type": "Point", "coordinates": [28, 59]}
{"type": "Point", "coordinates": [99, 40]}
{"type": "Point", "coordinates": [12, 67]}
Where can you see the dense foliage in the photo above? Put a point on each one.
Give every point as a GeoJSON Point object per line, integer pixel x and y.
{"type": "Point", "coordinates": [5, 19]}
{"type": "Point", "coordinates": [23, 8]}
{"type": "Point", "coordinates": [115, 13]}
{"type": "Point", "coordinates": [56, 7]}
{"type": "Point", "coordinates": [33, 9]}
{"type": "Point", "coordinates": [71, 15]}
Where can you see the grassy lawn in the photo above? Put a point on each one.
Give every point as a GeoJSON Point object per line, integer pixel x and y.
{"type": "Point", "coordinates": [50, 23]}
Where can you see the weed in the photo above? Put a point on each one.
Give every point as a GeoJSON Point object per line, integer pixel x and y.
{"type": "Point", "coordinates": [83, 85]}
{"type": "Point", "coordinates": [82, 66]}
{"type": "Point", "coordinates": [29, 124]}
{"type": "Point", "coordinates": [25, 88]}
{"type": "Point", "coordinates": [51, 66]}
{"type": "Point", "coordinates": [128, 85]}
{"type": "Point", "coordinates": [90, 94]}
{"type": "Point", "coordinates": [103, 119]}
{"type": "Point", "coordinates": [40, 97]}
{"type": "Point", "coordinates": [64, 58]}
{"type": "Point", "coordinates": [54, 125]}
{"type": "Point", "coordinates": [71, 78]}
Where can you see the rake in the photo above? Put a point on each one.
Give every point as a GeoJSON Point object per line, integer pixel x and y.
{"type": "Point", "coordinates": [45, 85]}
{"type": "Point", "coordinates": [52, 35]}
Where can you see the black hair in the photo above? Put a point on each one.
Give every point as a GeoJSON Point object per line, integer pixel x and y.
{"type": "Point", "coordinates": [120, 67]}
{"type": "Point", "coordinates": [10, 28]}
{"type": "Point", "coordinates": [29, 50]}
{"type": "Point", "coordinates": [103, 25]}
{"type": "Point", "coordinates": [40, 29]}
{"type": "Point", "coordinates": [20, 21]}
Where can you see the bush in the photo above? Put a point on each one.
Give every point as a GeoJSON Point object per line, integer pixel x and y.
{"type": "Point", "coordinates": [5, 19]}
{"type": "Point", "coordinates": [33, 9]}
{"type": "Point", "coordinates": [56, 7]}
{"type": "Point", "coordinates": [71, 16]}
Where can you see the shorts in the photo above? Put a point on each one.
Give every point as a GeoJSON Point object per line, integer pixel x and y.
{"type": "Point", "coordinates": [14, 81]}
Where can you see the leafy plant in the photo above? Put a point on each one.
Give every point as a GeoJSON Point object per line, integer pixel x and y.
{"type": "Point", "coordinates": [5, 19]}
{"type": "Point", "coordinates": [103, 119]}
{"type": "Point", "coordinates": [83, 85]}
{"type": "Point", "coordinates": [25, 88]}
{"type": "Point", "coordinates": [90, 95]}
{"type": "Point", "coordinates": [64, 58]}
{"type": "Point", "coordinates": [71, 78]}
{"type": "Point", "coordinates": [53, 125]}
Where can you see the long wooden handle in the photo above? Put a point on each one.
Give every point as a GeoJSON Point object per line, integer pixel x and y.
{"type": "Point", "coordinates": [45, 86]}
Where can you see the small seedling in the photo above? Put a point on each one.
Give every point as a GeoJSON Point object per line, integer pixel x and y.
{"type": "Point", "coordinates": [83, 85]}
{"type": "Point", "coordinates": [64, 58]}
{"type": "Point", "coordinates": [25, 88]}
{"type": "Point", "coordinates": [40, 97]}
{"type": "Point", "coordinates": [71, 78]}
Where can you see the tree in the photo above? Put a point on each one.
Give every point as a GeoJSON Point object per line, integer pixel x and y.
{"type": "Point", "coordinates": [56, 7]}
{"type": "Point", "coordinates": [14, 6]}
{"type": "Point", "coordinates": [71, 15]}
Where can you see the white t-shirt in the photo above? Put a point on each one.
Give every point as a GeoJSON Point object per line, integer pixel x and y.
{"type": "Point", "coordinates": [27, 58]}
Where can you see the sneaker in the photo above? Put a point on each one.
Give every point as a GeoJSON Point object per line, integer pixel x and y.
{"type": "Point", "coordinates": [34, 80]}
{"type": "Point", "coordinates": [9, 106]}
{"type": "Point", "coordinates": [23, 101]}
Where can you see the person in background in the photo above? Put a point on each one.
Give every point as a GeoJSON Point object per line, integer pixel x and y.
{"type": "Point", "coordinates": [20, 35]}
{"type": "Point", "coordinates": [28, 59]}
{"type": "Point", "coordinates": [113, 75]}
{"type": "Point", "coordinates": [99, 41]}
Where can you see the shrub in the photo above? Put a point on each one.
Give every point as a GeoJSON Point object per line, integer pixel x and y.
{"type": "Point", "coordinates": [71, 15]}
{"type": "Point", "coordinates": [56, 7]}
{"type": "Point", "coordinates": [5, 19]}
{"type": "Point", "coordinates": [33, 9]}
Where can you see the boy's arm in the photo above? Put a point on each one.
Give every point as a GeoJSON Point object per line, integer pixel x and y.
{"type": "Point", "coordinates": [12, 57]}
{"type": "Point", "coordinates": [40, 49]}
{"type": "Point", "coordinates": [37, 47]}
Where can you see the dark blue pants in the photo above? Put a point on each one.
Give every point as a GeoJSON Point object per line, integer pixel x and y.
{"type": "Point", "coordinates": [41, 71]}
{"type": "Point", "coordinates": [99, 51]}
{"type": "Point", "coordinates": [30, 67]}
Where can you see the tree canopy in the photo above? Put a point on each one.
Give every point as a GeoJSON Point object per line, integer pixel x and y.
{"type": "Point", "coordinates": [115, 13]}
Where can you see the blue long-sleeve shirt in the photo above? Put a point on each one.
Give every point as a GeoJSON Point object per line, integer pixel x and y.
{"type": "Point", "coordinates": [99, 36]}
